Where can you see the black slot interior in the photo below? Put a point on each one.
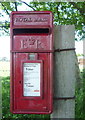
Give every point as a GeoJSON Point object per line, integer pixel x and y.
{"type": "Point", "coordinates": [30, 30]}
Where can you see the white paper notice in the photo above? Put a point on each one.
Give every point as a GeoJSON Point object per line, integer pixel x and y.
{"type": "Point", "coordinates": [31, 74]}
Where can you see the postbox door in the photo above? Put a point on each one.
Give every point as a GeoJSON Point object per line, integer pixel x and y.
{"type": "Point", "coordinates": [32, 83]}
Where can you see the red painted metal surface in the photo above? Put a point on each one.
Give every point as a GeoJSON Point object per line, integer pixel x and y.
{"type": "Point", "coordinates": [31, 42]}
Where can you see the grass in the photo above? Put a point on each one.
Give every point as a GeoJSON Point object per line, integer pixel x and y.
{"type": "Point", "coordinates": [6, 114]}
{"type": "Point", "coordinates": [80, 98]}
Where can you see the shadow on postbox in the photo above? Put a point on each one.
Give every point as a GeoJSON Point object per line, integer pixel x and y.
{"type": "Point", "coordinates": [31, 62]}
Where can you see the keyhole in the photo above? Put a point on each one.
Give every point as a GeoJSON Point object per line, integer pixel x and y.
{"type": "Point", "coordinates": [20, 81]}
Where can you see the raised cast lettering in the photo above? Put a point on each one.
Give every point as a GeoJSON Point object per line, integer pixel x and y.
{"type": "Point", "coordinates": [24, 43]}
{"type": "Point", "coordinates": [19, 19]}
{"type": "Point", "coordinates": [27, 43]}
{"type": "Point", "coordinates": [40, 20]}
{"type": "Point", "coordinates": [23, 19]}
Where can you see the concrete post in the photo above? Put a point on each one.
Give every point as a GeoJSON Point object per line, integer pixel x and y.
{"type": "Point", "coordinates": [64, 73]}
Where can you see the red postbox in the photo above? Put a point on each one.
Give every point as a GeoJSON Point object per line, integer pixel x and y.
{"type": "Point", "coordinates": [31, 62]}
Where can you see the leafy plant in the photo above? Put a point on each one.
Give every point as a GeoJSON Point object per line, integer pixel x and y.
{"type": "Point", "coordinates": [65, 13]}
{"type": "Point", "coordinates": [6, 114]}
{"type": "Point", "coordinates": [80, 98]}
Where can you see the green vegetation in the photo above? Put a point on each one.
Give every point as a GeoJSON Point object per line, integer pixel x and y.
{"type": "Point", "coordinates": [79, 104]}
{"type": "Point", "coordinates": [65, 13]}
{"type": "Point", "coordinates": [6, 114]}
{"type": "Point", "coordinates": [80, 98]}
